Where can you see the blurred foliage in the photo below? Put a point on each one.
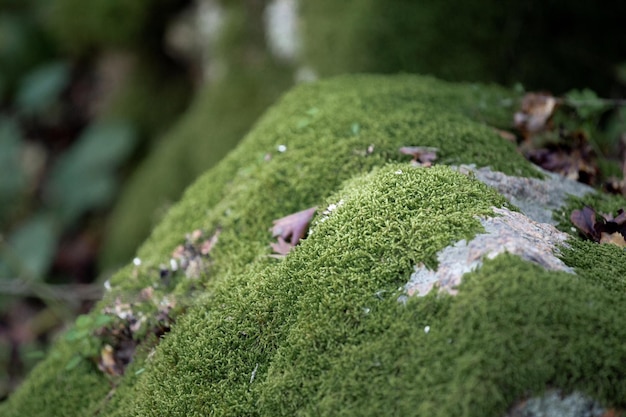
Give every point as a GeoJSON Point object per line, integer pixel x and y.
{"type": "Point", "coordinates": [223, 111]}
{"type": "Point", "coordinates": [69, 132]}
{"type": "Point", "coordinates": [153, 96]}
{"type": "Point", "coordinates": [41, 88]}
{"type": "Point", "coordinates": [84, 177]}
{"type": "Point", "coordinates": [553, 44]}
{"type": "Point", "coordinates": [24, 43]}
{"type": "Point", "coordinates": [111, 23]}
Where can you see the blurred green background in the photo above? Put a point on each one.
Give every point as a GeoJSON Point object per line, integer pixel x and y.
{"type": "Point", "coordinates": [110, 108]}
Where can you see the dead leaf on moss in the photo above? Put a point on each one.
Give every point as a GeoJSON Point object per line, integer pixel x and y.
{"type": "Point", "coordinates": [290, 230]}
{"type": "Point", "coordinates": [422, 155]}
{"type": "Point", "coordinates": [575, 161]}
{"type": "Point", "coordinates": [107, 362]}
{"type": "Point", "coordinates": [607, 229]}
{"type": "Point", "coordinates": [535, 112]}
{"type": "Point", "coordinates": [281, 249]}
{"type": "Point", "coordinates": [192, 255]}
{"type": "Point", "coordinates": [584, 220]}
{"type": "Point", "coordinates": [208, 244]}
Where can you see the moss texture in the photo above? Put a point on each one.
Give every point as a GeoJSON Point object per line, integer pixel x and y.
{"type": "Point", "coordinates": [321, 332]}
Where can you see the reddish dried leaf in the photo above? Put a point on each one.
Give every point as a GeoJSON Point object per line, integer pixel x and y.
{"type": "Point", "coordinates": [290, 229]}
{"type": "Point", "coordinates": [421, 154]}
{"type": "Point", "coordinates": [293, 227]}
{"type": "Point", "coordinates": [281, 249]}
{"type": "Point", "coordinates": [210, 243]}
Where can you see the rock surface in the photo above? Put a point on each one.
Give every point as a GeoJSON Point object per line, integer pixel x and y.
{"type": "Point", "coordinates": [320, 331]}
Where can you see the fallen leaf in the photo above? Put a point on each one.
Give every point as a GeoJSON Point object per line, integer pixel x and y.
{"type": "Point", "coordinates": [614, 238]}
{"type": "Point", "coordinates": [585, 220]}
{"type": "Point", "coordinates": [535, 113]}
{"type": "Point", "coordinates": [291, 229]}
{"type": "Point", "coordinates": [281, 249]}
{"type": "Point", "coordinates": [607, 229]}
{"type": "Point", "coordinates": [210, 243]}
{"type": "Point", "coordinates": [577, 163]}
{"type": "Point", "coordinates": [422, 155]}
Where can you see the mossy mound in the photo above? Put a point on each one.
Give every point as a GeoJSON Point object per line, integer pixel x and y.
{"type": "Point", "coordinates": [324, 331]}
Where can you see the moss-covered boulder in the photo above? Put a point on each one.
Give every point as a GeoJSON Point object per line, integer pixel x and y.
{"type": "Point", "coordinates": [212, 318]}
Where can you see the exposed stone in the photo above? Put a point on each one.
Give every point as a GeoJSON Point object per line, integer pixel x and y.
{"type": "Point", "coordinates": [537, 198]}
{"type": "Point", "coordinates": [555, 404]}
{"type": "Point", "coordinates": [508, 232]}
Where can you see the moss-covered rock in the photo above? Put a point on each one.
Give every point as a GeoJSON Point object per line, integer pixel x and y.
{"type": "Point", "coordinates": [329, 329]}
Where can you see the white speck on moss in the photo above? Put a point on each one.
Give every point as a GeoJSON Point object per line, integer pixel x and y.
{"type": "Point", "coordinates": [256, 368]}
{"type": "Point", "coordinates": [398, 172]}
{"type": "Point", "coordinates": [332, 207]}
{"type": "Point", "coordinates": [136, 261]}
{"type": "Point", "coordinates": [107, 285]}
{"type": "Point", "coordinates": [173, 265]}
{"type": "Point", "coordinates": [427, 329]}
{"type": "Point", "coordinates": [326, 213]}
{"type": "Point", "coordinates": [281, 148]}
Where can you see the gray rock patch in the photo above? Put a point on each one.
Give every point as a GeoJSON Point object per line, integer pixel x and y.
{"type": "Point", "coordinates": [535, 197]}
{"type": "Point", "coordinates": [510, 232]}
{"type": "Point", "coordinates": [554, 404]}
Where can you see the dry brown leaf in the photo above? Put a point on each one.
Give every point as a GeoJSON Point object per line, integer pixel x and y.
{"type": "Point", "coordinates": [608, 229]}
{"type": "Point", "coordinates": [613, 238]}
{"type": "Point", "coordinates": [107, 363]}
{"type": "Point", "coordinates": [290, 230]}
{"type": "Point", "coordinates": [535, 113]}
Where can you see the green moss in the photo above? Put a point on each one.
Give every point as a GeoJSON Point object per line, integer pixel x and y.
{"type": "Point", "coordinates": [322, 332]}
{"type": "Point", "coordinates": [53, 390]}
{"type": "Point", "coordinates": [600, 264]}
{"type": "Point", "coordinates": [263, 316]}
{"type": "Point", "coordinates": [514, 329]}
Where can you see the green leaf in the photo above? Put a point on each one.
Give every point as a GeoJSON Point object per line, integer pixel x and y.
{"type": "Point", "coordinates": [32, 247]}
{"type": "Point", "coordinates": [586, 102]}
{"type": "Point", "coordinates": [102, 320]}
{"type": "Point", "coordinates": [101, 147]}
{"type": "Point", "coordinates": [73, 363]}
{"type": "Point", "coordinates": [84, 321]}
{"type": "Point", "coordinates": [12, 177]}
{"type": "Point", "coordinates": [84, 178]}
{"type": "Point", "coordinates": [40, 88]}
